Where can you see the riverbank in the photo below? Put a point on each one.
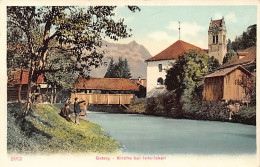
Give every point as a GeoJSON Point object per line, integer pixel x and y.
{"type": "Point", "coordinates": [44, 131]}
{"type": "Point", "coordinates": [168, 107]}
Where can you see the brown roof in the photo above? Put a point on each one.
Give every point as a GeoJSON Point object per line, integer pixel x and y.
{"type": "Point", "coordinates": [242, 53]}
{"type": "Point", "coordinates": [173, 51]}
{"type": "Point", "coordinates": [106, 84]}
{"type": "Point", "coordinates": [248, 59]}
{"type": "Point", "coordinates": [25, 76]}
{"type": "Point", "coordinates": [218, 22]}
{"type": "Point", "coordinates": [224, 72]}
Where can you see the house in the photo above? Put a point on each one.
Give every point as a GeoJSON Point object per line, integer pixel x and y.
{"type": "Point", "coordinates": [157, 66]}
{"type": "Point", "coordinates": [245, 58]}
{"type": "Point", "coordinates": [19, 81]}
{"type": "Point", "coordinates": [223, 84]}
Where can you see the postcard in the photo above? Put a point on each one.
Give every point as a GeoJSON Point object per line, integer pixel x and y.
{"type": "Point", "coordinates": [129, 83]}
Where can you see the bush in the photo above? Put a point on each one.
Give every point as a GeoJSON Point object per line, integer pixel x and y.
{"type": "Point", "coordinates": [138, 105]}
{"type": "Point", "coordinates": [164, 105]}
{"type": "Point", "coordinates": [245, 115]}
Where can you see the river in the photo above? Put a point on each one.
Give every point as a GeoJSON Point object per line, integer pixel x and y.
{"type": "Point", "coordinates": [157, 135]}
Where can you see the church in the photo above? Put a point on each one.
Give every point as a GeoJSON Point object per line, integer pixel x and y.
{"type": "Point", "coordinates": [157, 65]}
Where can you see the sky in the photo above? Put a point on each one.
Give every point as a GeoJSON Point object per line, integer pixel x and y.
{"type": "Point", "coordinates": [156, 27]}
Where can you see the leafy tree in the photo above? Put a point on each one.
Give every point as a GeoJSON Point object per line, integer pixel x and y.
{"type": "Point", "coordinates": [185, 78]}
{"type": "Point", "coordinates": [228, 56]}
{"type": "Point", "coordinates": [246, 40]}
{"type": "Point", "coordinates": [73, 30]}
{"type": "Point", "coordinates": [119, 69]}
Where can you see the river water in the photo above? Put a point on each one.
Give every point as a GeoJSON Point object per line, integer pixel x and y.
{"type": "Point", "coordinates": [143, 134]}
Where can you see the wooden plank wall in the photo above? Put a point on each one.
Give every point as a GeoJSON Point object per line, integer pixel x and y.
{"type": "Point", "coordinates": [213, 88]}
{"type": "Point", "coordinates": [103, 98]}
{"type": "Point", "coordinates": [233, 91]}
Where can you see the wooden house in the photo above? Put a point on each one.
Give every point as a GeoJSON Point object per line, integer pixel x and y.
{"type": "Point", "coordinates": [19, 83]}
{"type": "Point", "coordinates": [223, 84]}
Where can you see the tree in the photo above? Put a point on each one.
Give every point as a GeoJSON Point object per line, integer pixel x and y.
{"type": "Point", "coordinates": [74, 31]}
{"type": "Point", "coordinates": [246, 40]}
{"type": "Point", "coordinates": [249, 88]}
{"type": "Point", "coordinates": [110, 68]}
{"type": "Point", "coordinates": [229, 45]}
{"type": "Point", "coordinates": [119, 69]}
{"type": "Point", "coordinates": [228, 56]}
{"type": "Point", "coordinates": [185, 78]}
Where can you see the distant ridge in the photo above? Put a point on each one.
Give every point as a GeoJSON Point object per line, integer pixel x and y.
{"type": "Point", "coordinates": [135, 53]}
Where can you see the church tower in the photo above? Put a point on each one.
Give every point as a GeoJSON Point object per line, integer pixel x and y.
{"type": "Point", "coordinates": [217, 39]}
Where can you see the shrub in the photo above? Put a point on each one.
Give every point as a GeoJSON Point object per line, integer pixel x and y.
{"type": "Point", "coordinates": [138, 105]}
{"type": "Point", "coordinates": [245, 115]}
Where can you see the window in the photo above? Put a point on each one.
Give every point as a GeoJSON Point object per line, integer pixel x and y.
{"type": "Point", "coordinates": [160, 67]}
{"type": "Point", "coordinates": [216, 38]}
{"type": "Point", "coordinates": [160, 81]}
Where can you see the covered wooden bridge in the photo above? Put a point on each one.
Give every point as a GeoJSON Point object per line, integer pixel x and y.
{"type": "Point", "coordinates": [105, 91]}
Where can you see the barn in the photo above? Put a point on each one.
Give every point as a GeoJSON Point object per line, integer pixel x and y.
{"type": "Point", "coordinates": [223, 84]}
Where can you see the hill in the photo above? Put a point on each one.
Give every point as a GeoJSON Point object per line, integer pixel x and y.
{"type": "Point", "coordinates": [44, 131]}
{"type": "Point", "coordinates": [135, 53]}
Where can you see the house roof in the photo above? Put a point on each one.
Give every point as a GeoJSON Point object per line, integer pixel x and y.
{"type": "Point", "coordinates": [249, 58]}
{"type": "Point", "coordinates": [106, 84]}
{"type": "Point", "coordinates": [225, 71]}
{"type": "Point", "coordinates": [173, 51]}
{"type": "Point", "coordinates": [25, 75]}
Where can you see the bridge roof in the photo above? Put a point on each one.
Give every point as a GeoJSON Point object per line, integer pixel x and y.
{"type": "Point", "coordinates": [106, 84]}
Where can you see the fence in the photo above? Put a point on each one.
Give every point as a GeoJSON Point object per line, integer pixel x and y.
{"type": "Point", "coordinates": [103, 98]}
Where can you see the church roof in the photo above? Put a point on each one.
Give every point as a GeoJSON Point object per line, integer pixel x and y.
{"type": "Point", "coordinates": [173, 51]}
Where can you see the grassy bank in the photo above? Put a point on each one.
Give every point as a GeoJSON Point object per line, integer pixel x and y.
{"type": "Point", "coordinates": [44, 131]}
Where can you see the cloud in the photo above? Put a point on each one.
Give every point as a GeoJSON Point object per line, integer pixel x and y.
{"type": "Point", "coordinates": [190, 29]}
{"type": "Point", "coordinates": [161, 36]}
{"type": "Point", "coordinates": [217, 16]}
{"type": "Point", "coordinates": [230, 17]}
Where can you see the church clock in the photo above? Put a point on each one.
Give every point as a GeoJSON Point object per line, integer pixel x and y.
{"type": "Point", "coordinates": [215, 29]}
{"type": "Point", "coordinates": [217, 44]}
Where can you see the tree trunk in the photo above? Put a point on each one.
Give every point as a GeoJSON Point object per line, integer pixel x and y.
{"type": "Point", "coordinates": [52, 93]}
{"type": "Point", "coordinates": [55, 95]}
{"type": "Point", "coordinates": [19, 93]}
{"type": "Point", "coordinates": [20, 86]}
{"type": "Point", "coordinates": [29, 98]}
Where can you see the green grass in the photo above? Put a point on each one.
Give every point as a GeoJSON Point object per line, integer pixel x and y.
{"type": "Point", "coordinates": [43, 130]}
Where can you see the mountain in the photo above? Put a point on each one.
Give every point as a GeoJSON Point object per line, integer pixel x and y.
{"type": "Point", "coordinates": [135, 54]}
